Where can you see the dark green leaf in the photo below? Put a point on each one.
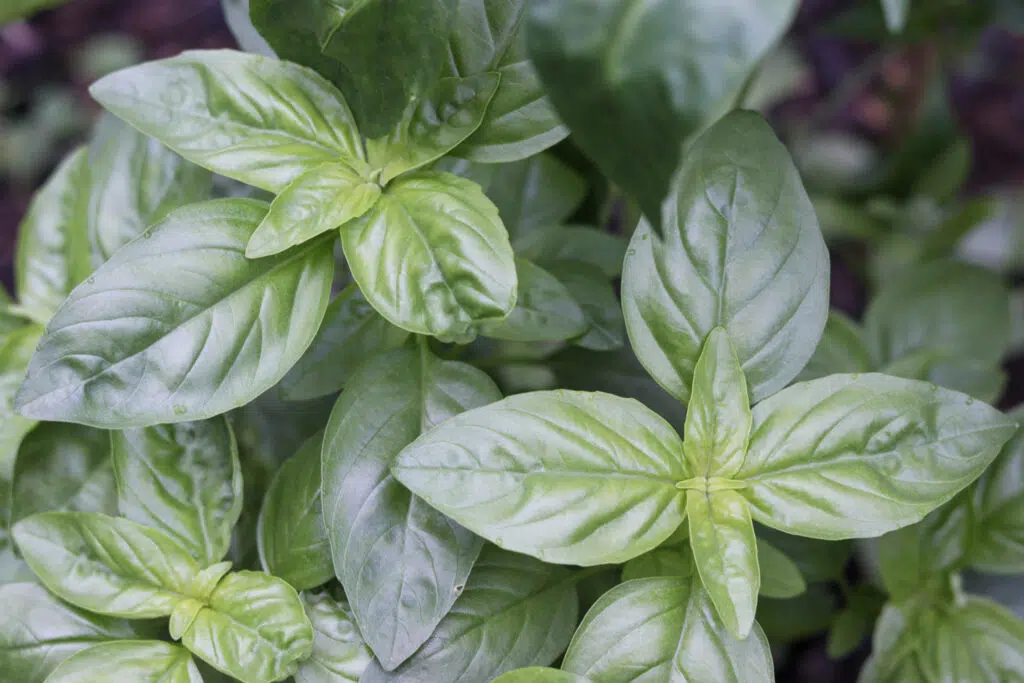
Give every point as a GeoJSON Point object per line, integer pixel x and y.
{"type": "Point", "coordinates": [339, 653]}
{"type": "Point", "coordinates": [578, 243]}
{"type": "Point", "coordinates": [841, 349]}
{"type": "Point", "coordinates": [855, 622]}
{"type": "Point", "coordinates": [780, 577]}
{"type": "Point", "coordinates": [795, 619]}
{"type": "Point", "coordinates": [596, 297]}
{"type": "Point", "coordinates": [139, 661]}
{"type": "Point", "coordinates": [17, 9]}
{"type": "Point", "coordinates": [816, 560]}
{"type": "Point", "coordinates": [535, 194]}
{"type": "Point", "coordinates": [997, 517]}
{"type": "Point", "coordinates": [545, 309]}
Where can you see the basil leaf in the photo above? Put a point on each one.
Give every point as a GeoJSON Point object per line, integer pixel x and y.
{"type": "Point", "coordinates": [997, 529]}
{"type": "Point", "coordinates": [780, 577]}
{"type": "Point", "coordinates": [514, 612]}
{"type": "Point", "coordinates": [725, 555]}
{"type": "Point", "coordinates": [135, 182]}
{"type": "Point", "coordinates": [596, 298]}
{"type": "Point", "coordinates": [741, 250]}
{"type": "Point", "coordinates": [164, 298]}
{"type": "Point", "coordinates": [19, 9]}
{"type": "Point", "coordinates": [841, 349]}
{"type": "Point", "coordinates": [351, 333]}
{"type": "Point", "coordinates": [663, 629]}
{"type": "Point", "coordinates": [184, 479]}
{"type": "Point", "coordinates": [718, 416]}
{"type": "Point", "coordinates": [659, 562]}
{"type": "Point", "coordinates": [106, 564]}
{"type": "Point", "coordinates": [539, 674]}
{"type": "Point", "coordinates": [139, 661]}
{"type": "Point", "coordinates": [252, 628]}
{"type": "Point", "coordinates": [535, 194]}
{"type": "Point", "coordinates": [816, 560]}
{"type": "Point", "coordinates": [64, 467]}
{"type": "Point", "coordinates": [851, 456]}
{"type": "Point", "coordinates": [236, 13]}
{"type": "Point", "coordinates": [317, 201]}
{"type": "Point", "coordinates": [402, 563]}
{"type": "Point", "coordinates": [545, 309]}
{"type": "Point", "coordinates": [255, 119]}
{"type": "Point", "coordinates": [53, 254]}
{"type": "Point", "coordinates": [579, 243]}
{"type": "Point", "coordinates": [339, 653]}
{"type": "Point", "coordinates": [433, 125]}
{"type": "Point", "coordinates": [801, 618]}
{"type": "Point", "coordinates": [854, 623]}
{"type": "Point", "coordinates": [39, 631]}
{"type": "Point", "coordinates": [432, 256]}
{"type": "Point", "coordinates": [520, 121]}
{"type": "Point", "coordinates": [552, 474]}
{"type": "Point", "coordinates": [292, 537]}
{"type": "Point", "coordinates": [645, 69]}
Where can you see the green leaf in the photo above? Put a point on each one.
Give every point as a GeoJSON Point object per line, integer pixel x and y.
{"type": "Point", "coordinates": [895, 14]}
{"type": "Point", "coordinates": [135, 182]}
{"type": "Point", "coordinates": [656, 72]}
{"type": "Point", "coordinates": [947, 174]}
{"type": "Point", "coordinates": [352, 332]}
{"type": "Point", "coordinates": [816, 560]}
{"type": "Point", "coordinates": [39, 631]}
{"type": "Point", "coordinates": [64, 467]}
{"type": "Point", "coordinates": [663, 629]}
{"type": "Point", "coordinates": [553, 474]}
{"type": "Point", "coordinates": [741, 250]}
{"type": "Point", "coordinates": [780, 577]}
{"type": "Point", "coordinates": [801, 618]}
{"type": "Point", "coordinates": [842, 349]}
{"type": "Point", "coordinates": [433, 125]}
{"type": "Point", "coordinates": [539, 674]}
{"type": "Point", "coordinates": [317, 201]}
{"type": "Point", "coordinates": [663, 561]}
{"type": "Point", "coordinates": [253, 628]}
{"type": "Point", "coordinates": [725, 555]}
{"type": "Point", "coordinates": [53, 253]}
{"type": "Point", "coordinates": [255, 119]}
{"type": "Point", "coordinates": [18, 9]}
{"type": "Point", "coordinates": [292, 537]}
{"type": "Point", "coordinates": [851, 456]}
{"type": "Point", "coordinates": [718, 415]}
{"type": "Point", "coordinates": [596, 297]}
{"type": "Point", "coordinates": [184, 479]}
{"type": "Point", "coordinates": [997, 515]}
{"type": "Point", "coordinates": [106, 565]}
{"type": "Point", "coordinates": [545, 309]}
{"type": "Point", "coordinates": [139, 661]}
{"type": "Point", "coordinates": [432, 256]}
{"type": "Point", "coordinates": [514, 612]}
{"type": "Point", "coordinates": [339, 653]}
{"type": "Point", "coordinates": [520, 121]}
{"type": "Point", "coordinates": [236, 13]}
{"type": "Point", "coordinates": [577, 243]}
{"type": "Point", "coordinates": [535, 194]}
{"type": "Point", "coordinates": [854, 623]}
{"type": "Point", "coordinates": [200, 328]}
{"type": "Point", "coordinates": [403, 564]}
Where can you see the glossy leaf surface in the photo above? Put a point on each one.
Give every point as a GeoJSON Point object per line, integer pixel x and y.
{"type": "Point", "coordinates": [139, 661]}
{"type": "Point", "coordinates": [596, 297]}
{"type": "Point", "coordinates": [545, 309]}
{"type": "Point", "coordinates": [339, 653]}
{"type": "Point", "coordinates": [535, 194]}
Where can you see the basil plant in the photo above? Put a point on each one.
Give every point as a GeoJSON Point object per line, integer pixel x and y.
{"type": "Point", "coordinates": [299, 382]}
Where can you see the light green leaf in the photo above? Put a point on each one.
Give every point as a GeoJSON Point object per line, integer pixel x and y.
{"type": "Point", "coordinates": [596, 297]}
{"type": "Point", "coordinates": [539, 674]}
{"type": "Point", "coordinates": [634, 80]}
{"type": "Point", "coordinates": [403, 564]}
{"type": "Point", "coordinates": [38, 631]}
{"type": "Point", "coordinates": [135, 182]}
{"type": "Point", "coordinates": [291, 534]}
{"type": "Point", "coordinates": [780, 577]}
{"type": "Point", "coordinates": [841, 349]}
{"type": "Point", "coordinates": [725, 555]}
{"type": "Point", "coordinates": [896, 14]}
{"type": "Point", "coordinates": [662, 630]}
{"type": "Point", "coordinates": [200, 328]}
{"type": "Point", "coordinates": [139, 661]}
{"type": "Point", "coordinates": [545, 309]}
{"type": "Point", "coordinates": [997, 515]}
{"type": "Point", "coordinates": [663, 561]}
{"type": "Point", "coordinates": [253, 628]}
{"type": "Point", "coordinates": [351, 333]}
{"type": "Point", "coordinates": [569, 477]}
{"type": "Point", "coordinates": [339, 653]}
{"type": "Point", "coordinates": [520, 121]}
{"type": "Point", "coordinates": [106, 565]}
{"type": "Point", "coordinates": [718, 415]}
{"type": "Point", "coordinates": [255, 119]}
{"type": "Point", "coordinates": [184, 479]}
{"type": "Point", "coordinates": [432, 256]}
{"type": "Point", "coordinates": [741, 250]}
{"type": "Point", "coordinates": [535, 194]}
{"type": "Point", "coordinates": [433, 125]}
{"type": "Point", "coordinates": [851, 456]}
{"type": "Point", "coordinates": [53, 252]}
{"type": "Point", "coordinates": [514, 612]}
{"type": "Point", "coordinates": [317, 201]}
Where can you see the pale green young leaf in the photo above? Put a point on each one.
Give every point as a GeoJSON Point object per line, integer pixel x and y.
{"type": "Point", "coordinates": [432, 256]}
{"type": "Point", "coordinates": [663, 561]}
{"type": "Point", "coordinates": [291, 536]}
{"type": "Point", "coordinates": [545, 309]}
{"type": "Point", "coordinates": [780, 577]}
{"type": "Point", "coordinates": [319, 200]}
{"type": "Point", "coordinates": [741, 249]}
{"type": "Point", "coordinates": [553, 474]}
{"type": "Point", "coordinates": [106, 565]}
{"type": "Point", "coordinates": [663, 629]}
{"type": "Point", "coordinates": [403, 563]}
{"type": "Point", "coordinates": [851, 456]}
{"type": "Point", "coordinates": [351, 333]}
{"type": "Point", "coordinates": [184, 479]}
{"type": "Point", "coordinates": [514, 612]}
{"type": "Point", "coordinates": [256, 119]}
{"type": "Point", "coordinates": [535, 194]}
{"type": "Point", "coordinates": [725, 555]}
{"type": "Point", "coordinates": [139, 661]}
{"type": "Point", "coordinates": [997, 516]}
{"type": "Point", "coordinates": [595, 295]}
{"type": "Point", "coordinates": [252, 627]}
{"type": "Point", "coordinates": [539, 674]}
{"type": "Point", "coordinates": [339, 653]}
{"type": "Point", "coordinates": [200, 328]}
{"type": "Point", "coordinates": [842, 349]}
